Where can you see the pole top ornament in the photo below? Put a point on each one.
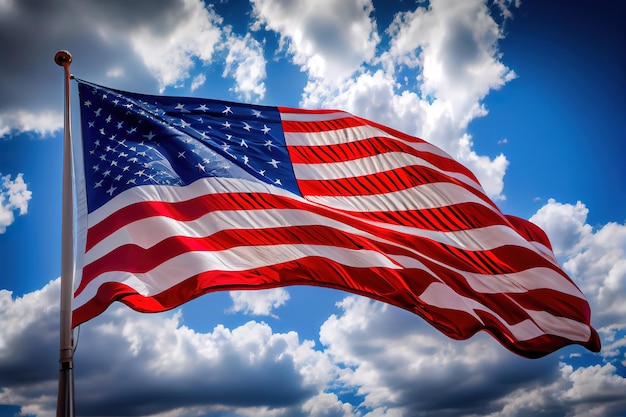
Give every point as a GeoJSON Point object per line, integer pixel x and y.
{"type": "Point", "coordinates": [63, 58]}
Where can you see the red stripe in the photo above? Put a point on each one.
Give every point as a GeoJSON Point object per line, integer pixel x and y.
{"type": "Point", "coordinates": [325, 273]}
{"type": "Point", "coordinates": [181, 210]}
{"type": "Point", "coordinates": [294, 110]}
{"type": "Point", "coordinates": [462, 216]}
{"type": "Point", "coordinates": [134, 259]}
{"type": "Point", "coordinates": [364, 148]}
{"type": "Point", "coordinates": [294, 126]}
{"type": "Point", "coordinates": [498, 260]}
{"type": "Point", "coordinates": [383, 182]}
{"type": "Point", "coordinates": [529, 230]}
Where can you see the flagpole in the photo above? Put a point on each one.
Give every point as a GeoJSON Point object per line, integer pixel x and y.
{"type": "Point", "coordinates": [65, 397]}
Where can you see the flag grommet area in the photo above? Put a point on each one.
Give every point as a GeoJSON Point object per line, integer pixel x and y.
{"type": "Point", "coordinates": [179, 197]}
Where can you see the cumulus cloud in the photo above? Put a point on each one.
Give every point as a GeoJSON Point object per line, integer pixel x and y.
{"type": "Point", "coordinates": [141, 364]}
{"type": "Point", "coordinates": [168, 44]}
{"type": "Point", "coordinates": [329, 39]}
{"type": "Point", "coordinates": [14, 196]}
{"type": "Point", "coordinates": [451, 48]}
{"type": "Point", "coordinates": [258, 303]}
{"type": "Point", "coordinates": [594, 391]}
{"type": "Point", "coordinates": [246, 63]}
{"type": "Point", "coordinates": [400, 366]}
{"type": "Point", "coordinates": [595, 258]}
{"type": "Point", "coordinates": [142, 45]}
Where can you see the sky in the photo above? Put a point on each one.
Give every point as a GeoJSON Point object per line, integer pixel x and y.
{"type": "Point", "coordinates": [529, 95]}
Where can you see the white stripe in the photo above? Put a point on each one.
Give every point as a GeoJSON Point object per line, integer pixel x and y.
{"type": "Point", "coordinates": [174, 194]}
{"type": "Point", "coordinates": [371, 165]}
{"type": "Point", "coordinates": [188, 264]}
{"type": "Point", "coordinates": [518, 282]}
{"type": "Point", "coordinates": [425, 196]}
{"type": "Point", "coordinates": [149, 231]}
{"type": "Point", "coordinates": [354, 134]}
{"type": "Point", "coordinates": [442, 296]}
{"type": "Point", "coordinates": [313, 117]}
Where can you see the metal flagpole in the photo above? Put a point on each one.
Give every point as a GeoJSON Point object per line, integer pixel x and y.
{"type": "Point", "coordinates": [65, 398]}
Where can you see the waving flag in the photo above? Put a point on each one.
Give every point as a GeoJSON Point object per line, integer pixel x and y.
{"type": "Point", "coordinates": [185, 196]}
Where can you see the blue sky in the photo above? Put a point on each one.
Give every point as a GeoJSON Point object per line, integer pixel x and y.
{"type": "Point", "coordinates": [529, 95]}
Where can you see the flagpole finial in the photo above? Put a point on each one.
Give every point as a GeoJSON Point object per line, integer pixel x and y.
{"type": "Point", "coordinates": [63, 58]}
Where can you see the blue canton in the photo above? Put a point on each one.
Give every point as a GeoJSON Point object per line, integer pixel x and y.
{"type": "Point", "coordinates": [132, 139]}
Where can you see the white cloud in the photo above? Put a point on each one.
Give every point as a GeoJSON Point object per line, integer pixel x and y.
{"type": "Point", "coordinates": [151, 364]}
{"type": "Point", "coordinates": [459, 58]}
{"type": "Point", "coordinates": [451, 48]}
{"type": "Point", "coordinates": [198, 81]}
{"type": "Point", "coordinates": [258, 303]}
{"type": "Point", "coordinates": [43, 123]}
{"type": "Point", "coordinates": [246, 63]}
{"type": "Point", "coordinates": [596, 259]}
{"type": "Point", "coordinates": [330, 39]}
{"type": "Point", "coordinates": [401, 366]}
{"type": "Point", "coordinates": [140, 45]}
{"type": "Point", "coordinates": [169, 45]}
{"type": "Point", "coordinates": [327, 405]}
{"type": "Point", "coordinates": [14, 196]}
{"type": "Point", "coordinates": [593, 391]}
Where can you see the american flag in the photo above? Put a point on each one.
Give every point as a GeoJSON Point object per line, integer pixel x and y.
{"type": "Point", "coordinates": [178, 197]}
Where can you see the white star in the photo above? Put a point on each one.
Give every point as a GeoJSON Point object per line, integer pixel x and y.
{"type": "Point", "coordinates": [266, 129]}
{"type": "Point", "coordinates": [131, 181]}
{"type": "Point", "coordinates": [245, 159]}
{"type": "Point", "coordinates": [274, 163]}
{"type": "Point", "coordinates": [269, 144]}
{"type": "Point", "coordinates": [98, 184]}
{"type": "Point", "coordinates": [202, 107]}
{"type": "Point", "coordinates": [226, 125]}
{"type": "Point", "coordinates": [262, 172]}
{"type": "Point", "coordinates": [257, 113]}
{"type": "Point", "coordinates": [111, 190]}
{"type": "Point", "coordinates": [184, 124]}
{"type": "Point", "coordinates": [149, 136]}
{"type": "Point", "coordinates": [201, 167]}
{"type": "Point", "coordinates": [277, 182]}
{"type": "Point", "coordinates": [243, 143]}
{"type": "Point", "coordinates": [87, 103]}
{"type": "Point", "coordinates": [181, 154]}
{"type": "Point", "coordinates": [227, 110]}
{"type": "Point", "coordinates": [182, 108]}
{"type": "Point", "coordinates": [97, 112]}
{"type": "Point", "coordinates": [246, 126]}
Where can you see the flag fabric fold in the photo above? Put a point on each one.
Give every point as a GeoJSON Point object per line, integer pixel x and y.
{"type": "Point", "coordinates": [179, 197]}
